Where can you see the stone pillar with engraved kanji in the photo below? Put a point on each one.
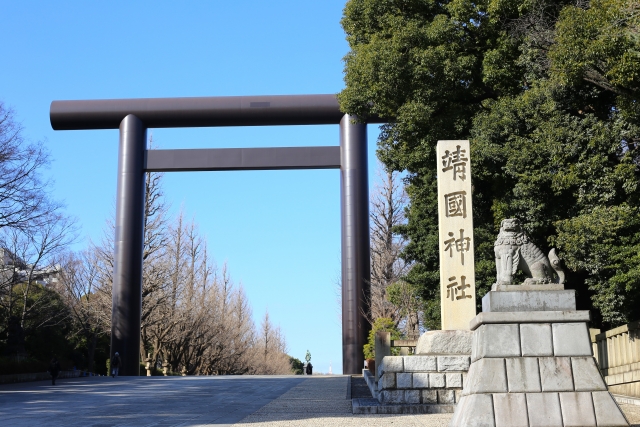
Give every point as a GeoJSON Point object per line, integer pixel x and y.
{"type": "Point", "coordinates": [432, 379]}
{"type": "Point", "coordinates": [457, 273]}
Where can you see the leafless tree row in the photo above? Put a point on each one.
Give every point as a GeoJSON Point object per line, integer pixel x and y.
{"type": "Point", "coordinates": [194, 318]}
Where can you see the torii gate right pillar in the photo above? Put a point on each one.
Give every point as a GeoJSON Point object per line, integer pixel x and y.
{"type": "Point", "coordinates": [356, 271]}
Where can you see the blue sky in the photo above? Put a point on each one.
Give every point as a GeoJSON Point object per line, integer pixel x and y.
{"type": "Point", "coordinates": [278, 231]}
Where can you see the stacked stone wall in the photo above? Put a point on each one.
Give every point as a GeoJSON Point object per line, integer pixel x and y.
{"type": "Point", "coordinates": [420, 379]}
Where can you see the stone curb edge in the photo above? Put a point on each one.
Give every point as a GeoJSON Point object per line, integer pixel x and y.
{"type": "Point", "coordinates": [529, 317]}
{"type": "Point", "coordinates": [372, 406]}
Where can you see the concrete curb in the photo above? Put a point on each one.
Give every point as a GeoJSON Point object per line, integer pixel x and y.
{"type": "Point", "coordinates": [371, 382]}
{"type": "Point", "coordinates": [626, 399]}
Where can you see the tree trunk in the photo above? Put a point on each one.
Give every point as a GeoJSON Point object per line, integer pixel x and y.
{"type": "Point", "coordinates": [93, 342]}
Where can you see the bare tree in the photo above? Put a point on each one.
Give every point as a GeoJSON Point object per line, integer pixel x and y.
{"type": "Point", "coordinates": [270, 351]}
{"type": "Point", "coordinates": [77, 282]}
{"type": "Point", "coordinates": [175, 299]}
{"type": "Point", "coordinates": [24, 195]}
{"type": "Point", "coordinates": [388, 202]}
{"type": "Point", "coordinates": [154, 272]}
{"type": "Point", "coordinates": [30, 254]}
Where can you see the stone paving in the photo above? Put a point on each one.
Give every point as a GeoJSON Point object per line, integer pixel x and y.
{"type": "Point", "coordinates": [321, 401]}
{"type": "Point", "coordinates": [199, 401]}
{"type": "Point", "coordinates": [142, 401]}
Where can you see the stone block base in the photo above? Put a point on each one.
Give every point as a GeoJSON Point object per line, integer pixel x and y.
{"type": "Point", "coordinates": [577, 409]}
{"type": "Point", "coordinates": [434, 376]}
{"type": "Point", "coordinates": [422, 379]}
{"type": "Point", "coordinates": [523, 301]}
{"type": "Point", "coordinates": [376, 406]}
{"type": "Point", "coordinates": [533, 371]}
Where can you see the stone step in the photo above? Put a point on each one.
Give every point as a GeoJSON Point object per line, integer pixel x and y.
{"type": "Point", "coordinates": [372, 406]}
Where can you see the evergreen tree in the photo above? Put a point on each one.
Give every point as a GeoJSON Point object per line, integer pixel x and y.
{"type": "Point", "coordinates": [547, 92]}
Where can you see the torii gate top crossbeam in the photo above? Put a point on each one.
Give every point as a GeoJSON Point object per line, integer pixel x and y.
{"type": "Point", "coordinates": [213, 111]}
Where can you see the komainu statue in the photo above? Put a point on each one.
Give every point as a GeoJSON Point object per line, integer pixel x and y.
{"type": "Point", "coordinates": [514, 250]}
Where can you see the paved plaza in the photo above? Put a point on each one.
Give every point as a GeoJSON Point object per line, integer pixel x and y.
{"type": "Point", "coordinates": [246, 401]}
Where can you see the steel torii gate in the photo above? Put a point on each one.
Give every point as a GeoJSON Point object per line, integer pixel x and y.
{"type": "Point", "coordinates": [134, 116]}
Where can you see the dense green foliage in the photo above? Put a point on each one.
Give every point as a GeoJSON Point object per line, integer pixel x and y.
{"type": "Point", "coordinates": [547, 92]}
{"type": "Point", "coordinates": [296, 365]}
{"type": "Point", "coordinates": [47, 330]}
{"type": "Point", "coordinates": [381, 324]}
{"type": "Point", "coordinates": [10, 366]}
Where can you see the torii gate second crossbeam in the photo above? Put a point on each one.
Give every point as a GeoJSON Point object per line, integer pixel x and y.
{"type": "Point", "coordinates": [134, 116]}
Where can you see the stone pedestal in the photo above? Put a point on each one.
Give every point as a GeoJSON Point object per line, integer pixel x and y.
{"type": "Point", "coordinates": [533, 367]}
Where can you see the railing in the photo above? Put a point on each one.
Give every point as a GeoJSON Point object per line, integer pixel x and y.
{"type": "Point", "coordinates": [618, 354]}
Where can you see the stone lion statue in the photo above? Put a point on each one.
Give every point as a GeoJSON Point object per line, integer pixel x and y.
{"type": "Point", "coordinates": [514, 250]}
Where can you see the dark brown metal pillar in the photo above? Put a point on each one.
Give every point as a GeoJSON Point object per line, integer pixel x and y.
{"type": "Point", "coordinates": [356, 273]}
{"type": "Point", "coordinates": [129, 243]}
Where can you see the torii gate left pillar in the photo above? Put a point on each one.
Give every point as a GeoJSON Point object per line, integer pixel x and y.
{"type": "Point", "coordinates": [134, 116]}
{"type": "Point", "coordinates": [126, 311]}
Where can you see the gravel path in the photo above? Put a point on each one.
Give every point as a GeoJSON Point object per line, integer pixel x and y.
{"type": "Point", "coordinates": [633, 414]}
{"type": "Point", "coordinates": [321, 401]}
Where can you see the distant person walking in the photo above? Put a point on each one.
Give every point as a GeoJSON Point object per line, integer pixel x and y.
{"type": "Point", "coordinates": [54, 369]}
{"type": "Point", "coordinates": [308, 367]}
{"type": "Point", "coordinates": [115, 364]}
